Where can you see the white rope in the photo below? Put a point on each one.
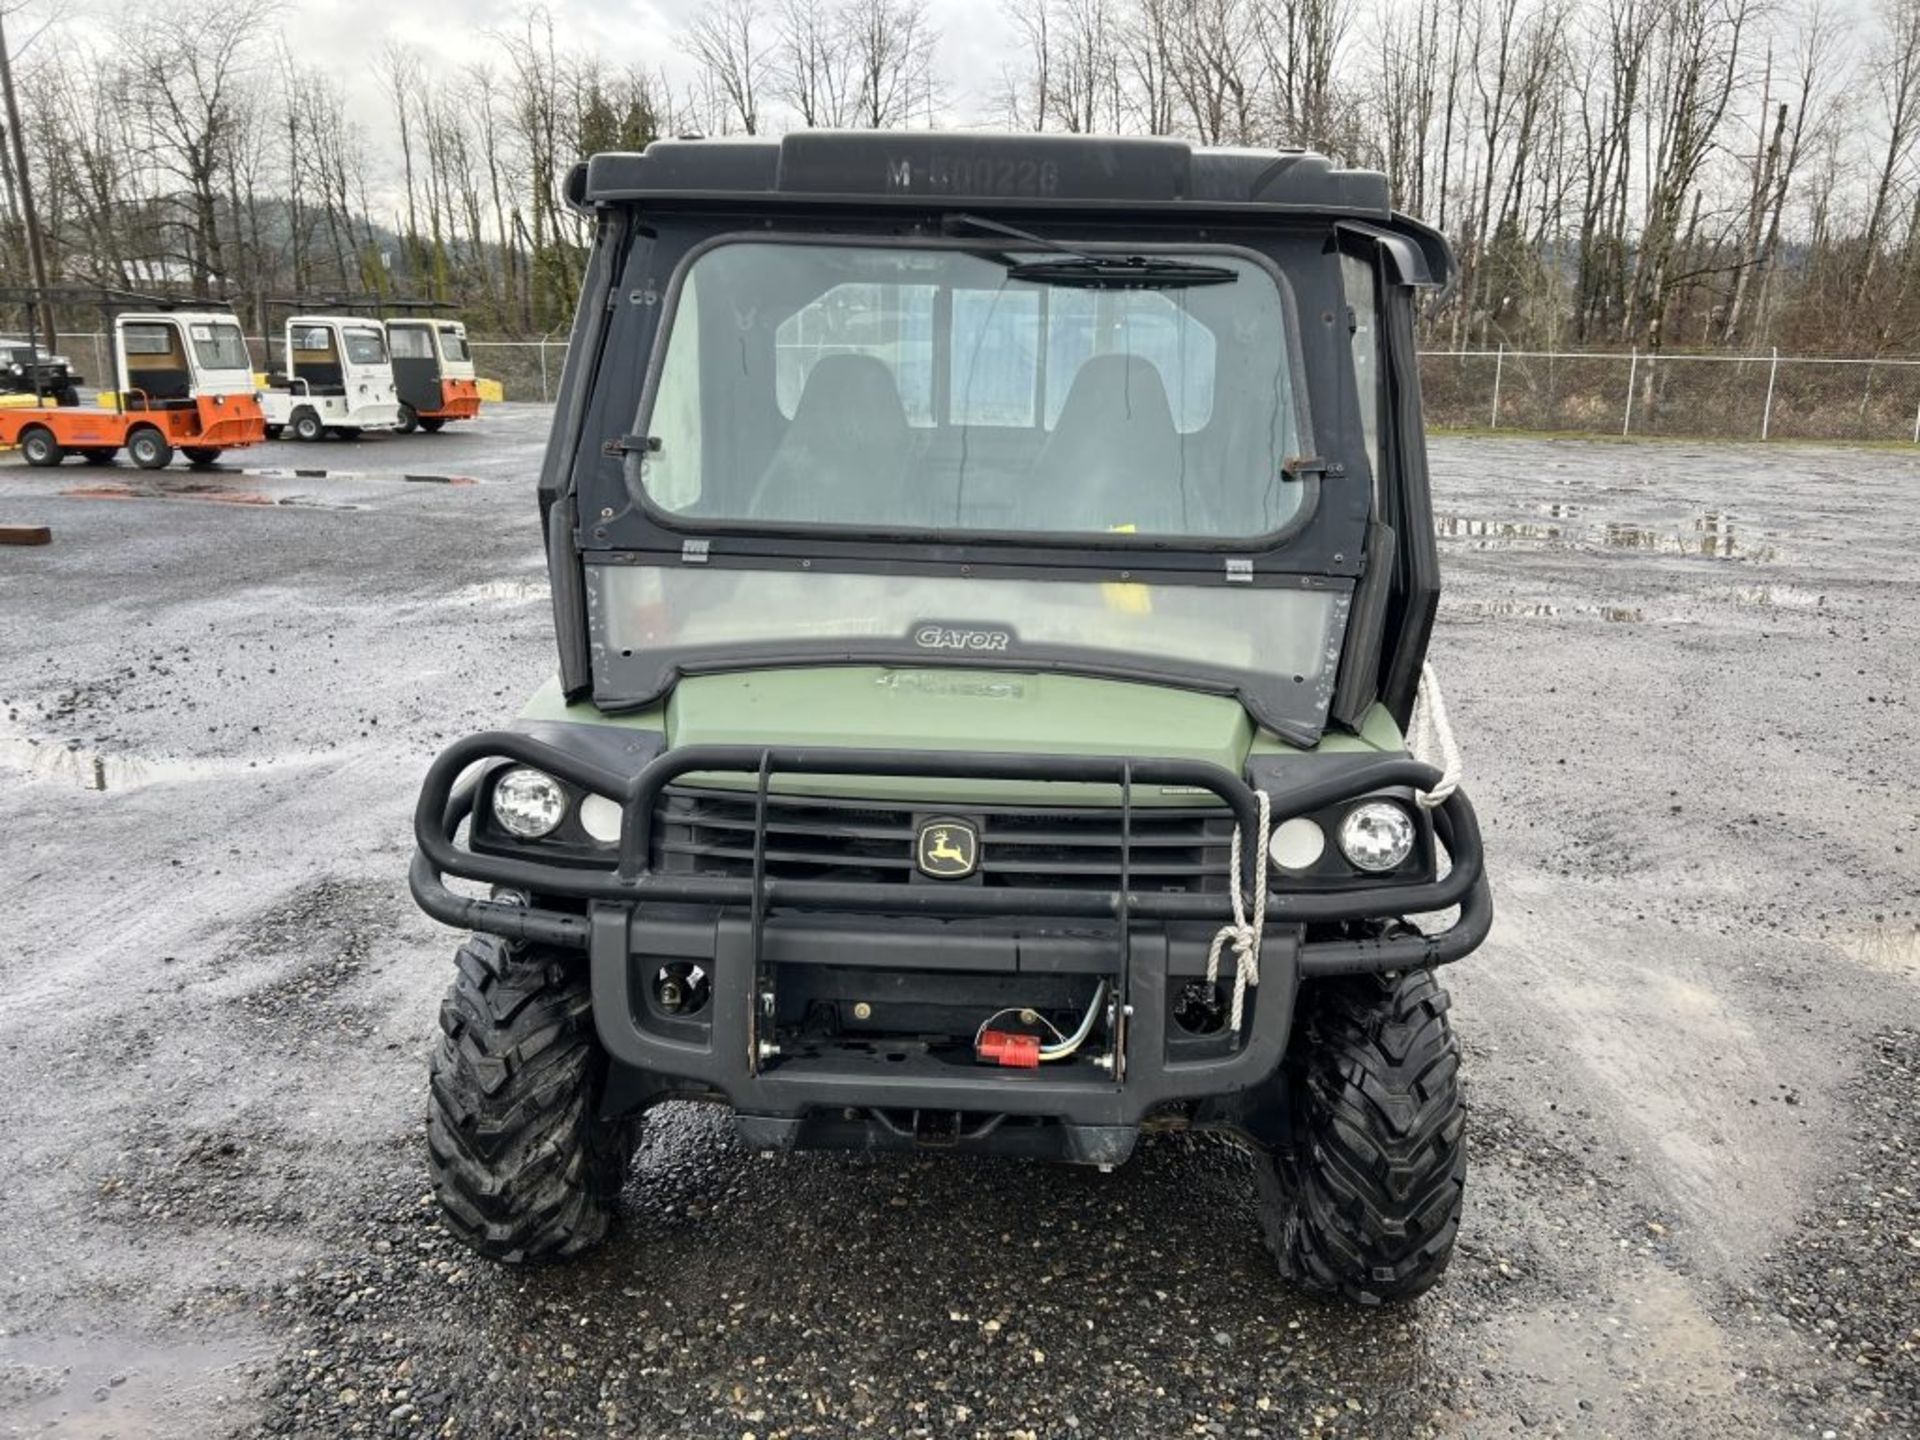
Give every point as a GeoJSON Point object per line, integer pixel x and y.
{"type": "Point", "coordinates": [1240, 932]}
{"type": "Point", "coordinates": [1430, 739]}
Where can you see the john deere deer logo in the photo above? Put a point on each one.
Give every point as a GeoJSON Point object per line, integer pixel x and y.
{"type": "Point", "coordinates": [947, 849]}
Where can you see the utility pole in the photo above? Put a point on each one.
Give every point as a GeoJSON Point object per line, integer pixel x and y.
{"type": "Point", "coordinates": [36, 255]}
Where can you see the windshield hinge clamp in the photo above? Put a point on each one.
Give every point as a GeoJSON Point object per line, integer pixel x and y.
{"type": "Point", "coordinates": [694, 552]}
{"type": "Point", "coordinates": [631, 445]}
{"type": "Point", "coordinates": [1240, 572]}
{"type": "Point", "coordinates": [1306, 467]}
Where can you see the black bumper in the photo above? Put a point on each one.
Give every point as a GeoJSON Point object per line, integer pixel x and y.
{"type": "Point", "coordinates": [737, 926]}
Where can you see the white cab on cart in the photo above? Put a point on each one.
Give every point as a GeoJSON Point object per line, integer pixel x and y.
{"type": "Point", "coordinates": [337, 379]}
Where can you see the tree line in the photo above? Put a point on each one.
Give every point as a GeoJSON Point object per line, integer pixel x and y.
{"type": "Point", "coordinates": [1656, 174]}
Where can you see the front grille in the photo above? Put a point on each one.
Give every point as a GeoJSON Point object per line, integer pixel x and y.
{"type": "Point", "coordinates": [711, 832]}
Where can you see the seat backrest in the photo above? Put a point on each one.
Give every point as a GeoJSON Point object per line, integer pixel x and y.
{"type": "Point", "coordinates": [844, 455]}
{"type": "Point", "coordinates": [1114, 460]}
{"type": "Point", "coordinates": [163, 382]}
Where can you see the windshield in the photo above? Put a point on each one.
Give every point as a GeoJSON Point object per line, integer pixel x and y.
{"type": "Point", "coordinates": [219, 347]}
{"type": "Point", "coordinates": [453, 342]}
{"type": "Point", "coordinates": [875, 386]}
{"type": "Point", "coordinates": [364, 346]}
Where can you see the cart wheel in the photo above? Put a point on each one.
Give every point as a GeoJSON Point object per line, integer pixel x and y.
{"type": "Point", "coordinates": [40, 448]}
{"type": "Point", "coordinates": [409, 419]}
{"type": "Point", "coordinates": [347, 432]}
{"type": "Point", "coordinates": [432, 423]}
{"type": "Point", "coordinates": [307, 426]}
{"type": "Point", "coordinates": [201, 456]}
{"type": "Point", "coordinates": [274, 432]}
{"type": "Point", "coordinates": [96, 456]}
{"type": "Point", "coordinates": [69, 396]}
{"type": "Point", "coordinates": [149, 449]}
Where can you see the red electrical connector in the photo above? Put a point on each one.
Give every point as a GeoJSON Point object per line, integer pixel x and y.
{"type": "Point", "coordinates": [1004, 1047]}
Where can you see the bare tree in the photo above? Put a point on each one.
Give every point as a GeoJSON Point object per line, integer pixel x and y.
{"type": "Point", "coordinates": [1895, 70]}
{"type": "Point", "coordinates": [732, 51]}
{"type": "Point", "coordinates": [892, 44]}
{"type": "Point", "coordinates": [814, 65]}
{"type": "Point", "coordinates": [400, 75]}
{"type": "Point", "coordinates": [191, 68]}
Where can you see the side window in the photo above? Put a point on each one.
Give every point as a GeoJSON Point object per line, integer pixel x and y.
{"type": "Point", "coordinates": [1363, 298]}
{"type": "Point", "coordinates": [673, 472]}
{"type": "Point", "coordinates": [891, 323]}
{"type": "Point", "coordinates": [147, 339]}
{"type": "Point", "coordinates": [410, 342]}
{"type": "Point", "coordinates": [314, 339]}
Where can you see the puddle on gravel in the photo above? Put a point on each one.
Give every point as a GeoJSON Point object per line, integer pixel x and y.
{"type": "Point", "coordinates": [121, 1386]}
{"type": "Point", "coordinates": [90, 769]}
{"type": "Point", "coordinates": [200, 490]}
{"type": "Point", "coordinates": [1712, 536]}
{"type": "Point", "coordinates": [1542, 610]}
{"type": "Point", "coordinates": [1893, 946]}
{"type": "Point", "coordinates": [1778, 597]}
{"type": "Point", "coordinates": [97, 770]}
{"type": "Point", "coordinates": [502, 592]}
{"type": "Point", "coordinates": [1466, 527]}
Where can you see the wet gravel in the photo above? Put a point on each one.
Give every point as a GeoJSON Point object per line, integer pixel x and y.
{"type": "Point", "coordinates": [1684, 679]}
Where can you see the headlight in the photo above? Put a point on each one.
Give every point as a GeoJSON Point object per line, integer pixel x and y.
{"type": "Point", "coordinates": [600, 818]}
{"type": "Point", "coordinates": [1376, 836]}
{"type": "Point", "coordinates": [529, 803]}
{"type": "Point", "coordinates": [1296, 844]}
{"type": "Point", "coordinates": [17, 368]}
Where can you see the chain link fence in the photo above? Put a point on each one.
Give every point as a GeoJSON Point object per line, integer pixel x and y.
{"type": "Point", "coordinates": [1724, 397]}
{"type": "Point", "coordinates": [526, 369]}
{"type": "Point", "coordinates": [1767, 396]}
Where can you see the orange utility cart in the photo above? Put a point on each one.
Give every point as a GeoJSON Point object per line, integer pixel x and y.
{"type": "Point", "coordinates": [185, 383]}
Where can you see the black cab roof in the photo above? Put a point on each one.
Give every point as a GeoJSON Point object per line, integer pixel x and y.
{"type": "Point", "coordinates": [1120, 175]}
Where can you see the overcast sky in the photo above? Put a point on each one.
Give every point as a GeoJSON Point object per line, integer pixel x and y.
{"type": "Point", "coordinates": [342, 37]}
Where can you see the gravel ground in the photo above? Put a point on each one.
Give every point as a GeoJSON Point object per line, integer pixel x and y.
{"type": "Point", "coordinates": [1684, 677]}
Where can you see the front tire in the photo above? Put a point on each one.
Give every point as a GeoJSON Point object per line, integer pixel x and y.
{"type": "Point", "coordinates": [409, 420]}
{"type": "Point", "coordinates": [307, 427]}
{"type": "Point", "coordinates": [1367, 1204]}
{"type": "Point", "coordinates": [524, 1167]}
{"type": "Point", "coordinates": [201, 456]}
{"type": "Point", "coordinates": [432, 423]}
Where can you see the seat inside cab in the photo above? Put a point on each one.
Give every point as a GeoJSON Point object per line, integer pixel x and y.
{"type": "Point", "coordinates": [315, 358]}
{"type": "Point", "coordinates": [158, 373]}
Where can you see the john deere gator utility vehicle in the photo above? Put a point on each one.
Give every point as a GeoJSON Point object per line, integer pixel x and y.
{"type": "Point", "coordinates": [992, 578]}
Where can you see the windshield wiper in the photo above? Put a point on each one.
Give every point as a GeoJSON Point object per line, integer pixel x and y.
{"type": "Point", "coordinates": [1121, 272]}
{"type": "Point", "coordinates": [1091, 271]}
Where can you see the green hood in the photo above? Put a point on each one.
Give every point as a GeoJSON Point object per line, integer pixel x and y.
{"type": "Point", "coordinates": [977, 711]}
